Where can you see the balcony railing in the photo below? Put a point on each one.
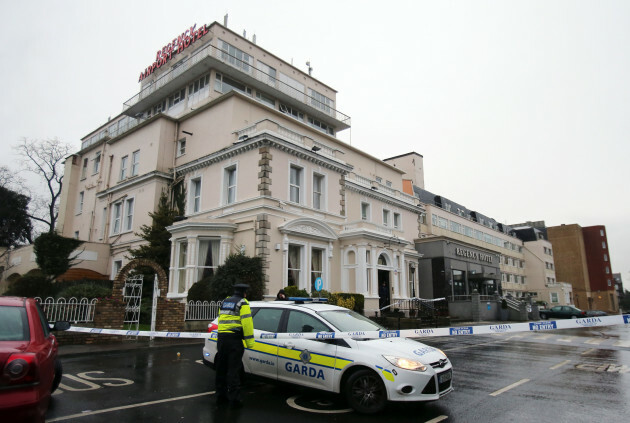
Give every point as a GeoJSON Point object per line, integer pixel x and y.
{"type": "Point", "coordinates": [243, 67]}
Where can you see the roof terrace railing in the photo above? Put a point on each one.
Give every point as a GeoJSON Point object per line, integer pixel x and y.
{"type": "Point", "coordinates": [244, 67]}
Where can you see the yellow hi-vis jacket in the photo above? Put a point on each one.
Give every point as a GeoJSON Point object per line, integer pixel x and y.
{"type": "Point", "coordinates": [235, 316]}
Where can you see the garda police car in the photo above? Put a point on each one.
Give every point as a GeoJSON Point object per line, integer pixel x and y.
{"type": "Point", "coordinates": [367, 371]}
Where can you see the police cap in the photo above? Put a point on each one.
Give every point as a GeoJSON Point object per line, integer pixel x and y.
{"type": "Point", "coordinates": [241, 287]}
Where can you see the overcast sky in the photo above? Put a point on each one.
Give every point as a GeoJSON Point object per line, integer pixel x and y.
{"type": "Point", "coordinates": [521, 109]}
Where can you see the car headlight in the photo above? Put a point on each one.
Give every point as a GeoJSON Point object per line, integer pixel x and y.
{"type": "Point", "coordinates": [405, 363]}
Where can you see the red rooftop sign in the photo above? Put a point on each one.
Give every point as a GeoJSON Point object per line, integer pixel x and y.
{"type": "Point", "coordinates": [179, 44]}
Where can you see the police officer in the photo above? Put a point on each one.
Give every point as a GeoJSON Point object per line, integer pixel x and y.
{"type": "Point", "coordinates": [235, 329]}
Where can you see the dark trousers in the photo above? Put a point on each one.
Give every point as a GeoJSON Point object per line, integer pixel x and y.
{"type": "Point", "coordinates": [229, 366]}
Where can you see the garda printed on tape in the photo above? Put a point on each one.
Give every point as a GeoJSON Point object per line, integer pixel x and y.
{"type": "Point", "coordinates": [542, 325]}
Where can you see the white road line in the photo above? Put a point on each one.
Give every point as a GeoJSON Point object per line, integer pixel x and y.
{"type": "Point", "coordinates": [594, 341]}
{"type": "Point", "coordinates": [559, 365]}
{"type": "Point", "coordinates": [588, 351]}
{"type": "Point", "coordinates": [437, 419]}
{"type": "Point", "coordinates": [544, 336]}
{"type": "Point", "coordinates": [622, 344]}
{"type": "Point", "coordinates": [566, 339]}
{"type": "Point", "coordinates": [125, 407]}
{"type": "Point", "coordinates": [507, 388]}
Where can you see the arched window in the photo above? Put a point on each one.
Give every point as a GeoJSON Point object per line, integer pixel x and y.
{"type": "Point", "coordinates": [382, 260]}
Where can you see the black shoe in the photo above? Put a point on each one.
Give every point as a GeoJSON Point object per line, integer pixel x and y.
{"type": "Point", "coordinates": [236, 404]}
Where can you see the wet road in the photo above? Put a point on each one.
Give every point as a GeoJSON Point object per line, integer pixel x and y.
{"type": "Point", "coordinates": [573, 375]}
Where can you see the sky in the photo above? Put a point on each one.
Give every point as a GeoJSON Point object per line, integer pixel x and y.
{"type": "Point", "coordinates": [519, 108]}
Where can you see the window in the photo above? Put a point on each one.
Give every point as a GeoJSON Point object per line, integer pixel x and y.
{"type": "Point", "coordinates": [182, 254]}
{"type": "Point", "coordinates": [316, 266]}
{"type": "Point", "coordinates": [207, 258]}
{"type": "Point", "coordinates": [379, 179]}
{"type": "Point", "coordinates": [230, 184]}
{"type": "Point", "coordinates": [128, 214]}
{"type": "Point", "coordinates": [554, 297]}
{"type": "Point", "coordinates": [76, 234]}
{"type": "Point", "coordinates": [123, 167]}
{"type": "Point", "coordinates": [442, 223]}
{"type": "Point", "coordinates": [301, 322]}
{"type": "Point", "coordinates": [295, 183]}
{"type": "Point", "coordinates": [270, 74]}
{"type": "Point", "coordinates": [365, 211]}
{"type": "Point", "coordinates": [235, 57]}
{"type": "Point", "coordinates": [263, 98]}
{"type": "Point", "coordinates": [181, 147]}
{"type": "Point", "coordinates": [135, 162]}
{"type": "Point", "coordinates": [199, 84]}
{"type": "Point", "coordinates": [601, 232]}
{"type": "Point", "coordinates": [267, 319]}
{"type": "Point", "coordinates": [609, 282]}
{"type": "Point", "coordinates": [195, 195]}
{"type": "Point", "coordinates": [386, 217]}
{"type": "Point", "coordinates": [321, 126]}
{"type": "Point", "coordinates": [84, 169]}
{"type": "Point", "coordinates": [291, 112]}
{"type": "Point", "coordinates": [320, 101]}
{"type": "Point", "coordinates": [605, 257]}
{"type": "Point", "coordinates": [318, 190]}
{"type": "Point", "coordinates": [116, 266]}
{"type": "Point", "coordinates": [177, 98]}
{"type": "Point", "coordinates": [603, 245]}
{"type": "Point", "coordinates": [223, 84]}
{"type": "Point", "coordinates": [97, 163]}
{"type": "Point", "coordinates": [80, 202]}
{"type": "Point", "coordinates": [116, 216]}
{"type": "Point", "coordinates": [397, 221]}
{"type": "Point", "coordinates": [160, 107]}
{"type": "Point", "coordinates": [294, 265]}
{"type": "Point", "coordinates": [607, 270]}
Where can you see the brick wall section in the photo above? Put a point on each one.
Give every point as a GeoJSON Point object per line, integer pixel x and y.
{"type": "Point", "coordinates": [108, 314]}
{"type": "Point", "coordinates": [264, 175]}
{"type": "Point", "coordinates": [263, 226]}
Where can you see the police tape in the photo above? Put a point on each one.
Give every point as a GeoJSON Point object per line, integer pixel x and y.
{"type": "Point", "coordinates": [544, 325]}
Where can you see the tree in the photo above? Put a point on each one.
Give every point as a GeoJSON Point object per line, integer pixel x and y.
{"type": "Point", "coordinates": [45, 158]}
{"type": "Point", "coordinates": [15, 226]}
{"type": "Point", "coordinates": [53, 253]}
{"type": "Point", "coordinates": [158, 247]}
{"type": "Point", "coordinates": [238, 268]}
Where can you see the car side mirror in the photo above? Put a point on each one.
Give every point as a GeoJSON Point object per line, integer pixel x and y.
{"type": "Point", "coordinates": [61, 325]}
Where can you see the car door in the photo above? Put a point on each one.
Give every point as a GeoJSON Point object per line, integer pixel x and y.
{"type": "Point", "coordinates": [262, 360]}
{"type": "Point", "coordinates": [308, 362]}
{"type": "Point", "coordinates": [555, 311]}
{"type": "Point", "coordinates": [44, 345]}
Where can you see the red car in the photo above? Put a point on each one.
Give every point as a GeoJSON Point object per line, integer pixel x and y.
{"type": "Point", "coordinates": [30, 370]}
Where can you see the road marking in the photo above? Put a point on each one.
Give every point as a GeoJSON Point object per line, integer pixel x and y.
{"type": "Point", "coordinates": [622, 344]}
{"type": "Point", "coordinates": [437, 419]}
{"type": "Point", "coordinates": [125, 407]}
{"type": "Point", "coordinates": [544, 336]}
{"type": "Point", "coordinates": [559, 365]}
{"type": "Point", "coordinates": [507, 388]}
{"type": "Point", "coordinates": [566, 339]}
{"type": "Point", "coordinates": [594, 341]}
{"type": "Point", "coordinates": [588, 351]}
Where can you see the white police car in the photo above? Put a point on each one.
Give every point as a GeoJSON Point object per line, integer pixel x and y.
{"type": "Point", "coordinates": [368, 372]}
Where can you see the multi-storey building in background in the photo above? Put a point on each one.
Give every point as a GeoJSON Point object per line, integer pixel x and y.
{"type": "Point", "coordinates": [582, 259]}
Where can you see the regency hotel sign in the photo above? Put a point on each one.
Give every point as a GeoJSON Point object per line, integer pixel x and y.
{"type": "Point", "coordinates": [179, 44]}
{"type": "Point", "coordinates": [473, 255]}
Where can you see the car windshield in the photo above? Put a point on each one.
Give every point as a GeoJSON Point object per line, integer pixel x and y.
{"type": "Point", "coordinates": [349, 321]}
{"type": "Point", "coordinates": [13, 324]}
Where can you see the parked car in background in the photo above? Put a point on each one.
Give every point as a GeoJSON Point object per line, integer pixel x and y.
{"type": "Point", "coordinates": [30, 369]}
{"type": "Point", "coordinates": [562, 312]}
{"type": "Point", "coordinates": [368, 372]}
{"type": "Point", "coordinates": [596, 313]}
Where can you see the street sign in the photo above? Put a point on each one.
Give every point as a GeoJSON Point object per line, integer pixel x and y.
{"type": "Point", "coordinates": [319, 284]}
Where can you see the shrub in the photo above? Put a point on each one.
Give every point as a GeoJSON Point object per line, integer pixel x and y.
{"type": "Point", "coordinates": [31, 286]}
{"type": "Point", "coordinates": [354, 302]}
{"type": "Point", "coordinates": [200, 291]}
{"type": "Point", "coordinates": [294, 291]}
{"type": "Point", "coordinates": [238, 268]}
{"type": "Point", "coordinates": [85, 290]}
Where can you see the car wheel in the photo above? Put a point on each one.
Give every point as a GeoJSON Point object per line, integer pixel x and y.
{"type": "Point", "coordinates": [365, 392]}
{"type": "Point", "coordinates": [543, 316]}
{"type": "Point", "coordinates": [57, 378]}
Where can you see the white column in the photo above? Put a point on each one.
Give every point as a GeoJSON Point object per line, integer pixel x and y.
{"type": "Point", "coordinates": [361, 271]}
{"type": "Point", "coordinates": [191, 261]}
{"type": "Point", "coordinates": [171, 269]}
{"type": "Point", "coordinates": [404, 287]}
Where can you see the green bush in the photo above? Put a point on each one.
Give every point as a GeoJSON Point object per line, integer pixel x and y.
{"type": "Point", "coordinates": [294, 291]}
{"type": "Point", "coordinates": [32, 285]}
{"type": "Point", "coordinates": [200, 291]}
{"type": "Point", "coordinates": [84, 290]}
{"type": "Point", "coordinates": [343, 299]}
{"type": "Point", "coordinates": [238, 268]}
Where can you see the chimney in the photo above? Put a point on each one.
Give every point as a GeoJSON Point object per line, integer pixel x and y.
{"type": "Point", "coordinates": [225, 20]}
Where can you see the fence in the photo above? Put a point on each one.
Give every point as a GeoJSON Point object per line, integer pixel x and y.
{"type": "Point", "coordinates": [72, 310]}
{"type": "Point", "coordinates": [197, 310]}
